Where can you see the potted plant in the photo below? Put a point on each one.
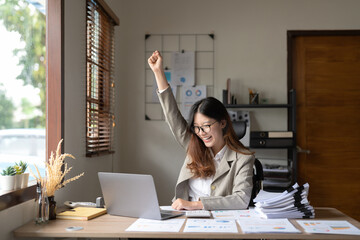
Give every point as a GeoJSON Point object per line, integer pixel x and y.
{"type": "Point", "coordinates": [18, 177]}
{"type": "Point", "coordinates": [25, 176]}
{"type": "Point", "coordinates": [7, 179]}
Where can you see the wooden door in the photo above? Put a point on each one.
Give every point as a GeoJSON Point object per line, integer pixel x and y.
{"type": "Point", "coordinates": [325, 72]}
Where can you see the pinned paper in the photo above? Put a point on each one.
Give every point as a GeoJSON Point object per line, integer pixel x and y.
{"type": "Point", "coordinates": [183, 68]}
{"type": "Point", "coordinates": [190, 95]}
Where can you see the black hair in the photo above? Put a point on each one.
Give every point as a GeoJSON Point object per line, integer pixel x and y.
{"type": "Point", "coordinates": [210, 107]}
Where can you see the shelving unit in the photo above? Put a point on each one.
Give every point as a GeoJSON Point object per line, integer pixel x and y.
{"type": "Point", "coordinates": [291, 126]}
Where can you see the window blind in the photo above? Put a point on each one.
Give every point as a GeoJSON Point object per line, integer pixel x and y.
{"type": "Point", "coordinates": [100, 118]}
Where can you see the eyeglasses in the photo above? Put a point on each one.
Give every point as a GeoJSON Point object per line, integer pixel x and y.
{"type": "Point", "coordinates": [204, 128]}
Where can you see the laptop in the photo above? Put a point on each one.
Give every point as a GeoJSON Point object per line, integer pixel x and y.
{"type": "Point", "coordinates": [132, 195]}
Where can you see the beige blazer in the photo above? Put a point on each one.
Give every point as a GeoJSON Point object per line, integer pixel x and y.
{"type": "Point", "coordinates": [232, 184]}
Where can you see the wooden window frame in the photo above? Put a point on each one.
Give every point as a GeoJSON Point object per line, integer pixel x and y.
{"type": "Point", "coordinates": [100, 24]}
{"type": "Point", "coordinates": [54, 94]}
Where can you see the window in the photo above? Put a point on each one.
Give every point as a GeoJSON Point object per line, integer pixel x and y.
{"type": "Point", "coordinates": [100, 22]}
{"type": "Point", "coordinates": [22, 84]}
{"type": "Point", "coordinates": [54, 90]}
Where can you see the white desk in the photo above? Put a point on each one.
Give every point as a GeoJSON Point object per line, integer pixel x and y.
{"type": "Point", "coordinates": [107, 226]}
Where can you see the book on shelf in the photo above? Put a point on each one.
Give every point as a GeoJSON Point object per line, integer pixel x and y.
{"type": "Point", "coordinates": [271, 134]}
{"type": "Point", "coordinates": [81, 213]}
{"type": "Point", "coordinates": [291, 203]}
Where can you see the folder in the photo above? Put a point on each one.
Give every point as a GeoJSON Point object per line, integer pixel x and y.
{"type": "Point", "coordinates": [81, 213]}
{"type": "Point", "coordinates": [272, 142]}
{"type": "Point", "coordinates": [271, 134]}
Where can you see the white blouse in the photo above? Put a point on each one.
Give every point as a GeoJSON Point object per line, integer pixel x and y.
{"type": "Point", "coordinates": [200, 187]}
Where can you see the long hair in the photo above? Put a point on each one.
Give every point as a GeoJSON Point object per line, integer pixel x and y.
{"type": "Point", "coordinates": [202, 163]}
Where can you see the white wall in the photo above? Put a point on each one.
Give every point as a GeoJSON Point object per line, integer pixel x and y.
{"type": "Point", "coordinates": [86, 188]}
{"type": "Point", "coordinates": [250, 48]}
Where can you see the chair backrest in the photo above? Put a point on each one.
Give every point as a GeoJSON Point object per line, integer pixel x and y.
{"type": "Point", "coordinates": [258, 177]}
{"type": "Point", "coordinates": [239, 128]}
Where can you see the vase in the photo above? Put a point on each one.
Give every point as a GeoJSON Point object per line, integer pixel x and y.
{"type": "Point", "coordinates": [7, 183]}
{"type": "Point", "coordinates": [18, 181]}
{"type": "Point", "coordinates": [25, 180]}
{"type": "Point", "coordinates": [52, 208]}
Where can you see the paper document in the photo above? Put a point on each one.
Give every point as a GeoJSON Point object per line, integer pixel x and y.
{"type": "Point", "coordinates": [235, 214]}
{"type": "Point", "coordinates": [190, 95]}
{"type": "Point", "coordinates": [267, 226]}
{"type": "Point", "coordinates": [329, 227]}
{"type": "Point", "coordinates": [264, 195]}
{"type": "Point", "coordinates": [183, 68]}
{"type": "Point", "coordinates": [169, 208]}
{"type": "Point", "coordinates": [210, 225]}
{"type": "Point", "coordinates": [148, 225]}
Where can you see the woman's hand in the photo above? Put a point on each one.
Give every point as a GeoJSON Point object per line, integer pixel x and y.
{"type": "Point", "coordinates": [181, 204]}
{"type": "Point", "coordinates": [155, 62]}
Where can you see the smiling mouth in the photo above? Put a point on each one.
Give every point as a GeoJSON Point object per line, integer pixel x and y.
{"type": "Point", "coordinates": [207, 139]}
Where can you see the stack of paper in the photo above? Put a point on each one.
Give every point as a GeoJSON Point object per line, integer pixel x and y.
{"type": "Point", "coordinates": [292, 203]}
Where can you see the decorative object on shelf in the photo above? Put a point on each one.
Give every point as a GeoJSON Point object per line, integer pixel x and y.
{"type": "Point", "coordinates": [55, 176]}
{"type": "Point", "coordinates": [253, 97]}
{"type": "Point", "coordinates": [7, 179]}
{"type": "Point", "coordinates": [228, 98]}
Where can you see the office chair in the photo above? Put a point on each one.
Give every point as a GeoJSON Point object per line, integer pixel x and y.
{"type": "Point", "coordinates": [258, 178]}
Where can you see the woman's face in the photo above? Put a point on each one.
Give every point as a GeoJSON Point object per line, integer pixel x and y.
{"type": "Point", "coordinates": [209, 131]}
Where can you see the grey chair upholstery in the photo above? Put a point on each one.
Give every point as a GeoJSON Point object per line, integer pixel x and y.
{"type": "Point", "coordinates": [240, 128]}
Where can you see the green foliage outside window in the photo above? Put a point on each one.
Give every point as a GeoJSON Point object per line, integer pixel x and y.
{"type": "Point", "coordinates": [6, 110]}
{"type": "Point", "coordinates": [16, 16]}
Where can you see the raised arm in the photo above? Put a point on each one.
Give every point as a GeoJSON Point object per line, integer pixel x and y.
{"type": "Point", "coordinates": [176, 121]}
{"type": "Point", "coordinates": [156, 65]}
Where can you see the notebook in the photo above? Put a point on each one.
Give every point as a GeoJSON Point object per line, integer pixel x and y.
{"type": "Point", "coordinates": [132, 195]}
{"type": "Point", "coordinates": [81, 213]}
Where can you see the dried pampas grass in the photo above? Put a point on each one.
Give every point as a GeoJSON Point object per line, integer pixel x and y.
{"type": "Point", "coordinates": [54, 173]}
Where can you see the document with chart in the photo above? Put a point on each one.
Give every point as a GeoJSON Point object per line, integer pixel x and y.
{"type": "Point", "coordinates": [267, 226]}
{"type": "Point", "coordinates": [148, 225]}
{"type": "Point", "coordinates": [210, 225]}
{"type": "Point", "coordinates": [235, 214]}
{"type": "Point", "coordinates": [329, 227]}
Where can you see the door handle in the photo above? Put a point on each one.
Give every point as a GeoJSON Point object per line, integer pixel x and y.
{"type": "Point", "coordinates": [300, 150]}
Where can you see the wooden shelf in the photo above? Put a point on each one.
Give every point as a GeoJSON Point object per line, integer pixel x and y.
{"type": "Point", "coordinates": [258, 105]}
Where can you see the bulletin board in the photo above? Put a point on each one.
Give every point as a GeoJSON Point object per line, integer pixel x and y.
{"type": "Point", "coordinates": [203, 47]}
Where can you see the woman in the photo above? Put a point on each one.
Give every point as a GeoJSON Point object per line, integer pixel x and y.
{"type": "Point", "coordinates": [218, 170]}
